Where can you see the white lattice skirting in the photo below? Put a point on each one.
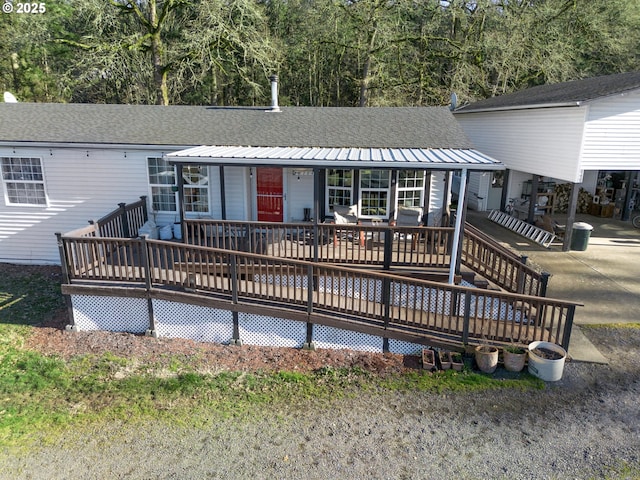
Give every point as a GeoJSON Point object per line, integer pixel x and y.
{"type": "Point", "coordinates": [204, 324]}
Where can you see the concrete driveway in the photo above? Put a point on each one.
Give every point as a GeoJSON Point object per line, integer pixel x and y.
{"type": "Point", "coordinates": [605, 277]}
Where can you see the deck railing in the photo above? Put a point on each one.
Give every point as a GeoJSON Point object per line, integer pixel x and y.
{"type": "Point", "coordinates": [488, 258]}
{"type": "Point", "coordinates": [377, 301]}
{"type": "Point", "coordinates": [382, 246]}
{"type": "Point", "coordinates": [123, 222]}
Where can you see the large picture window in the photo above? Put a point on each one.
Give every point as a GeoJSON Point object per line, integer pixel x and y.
{"type": "Point", "coordinates": [162, 180]}
{"type": "Point", "coordinates": [411, 188]}
{"type": "Point", "coordinates": [339, 188]}
{"type": "Point", "coordinates": [23, 181]}
{"type": "Point", "coordinates": [375, 186]}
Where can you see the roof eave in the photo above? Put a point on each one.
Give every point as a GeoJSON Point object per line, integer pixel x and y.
{"type": "Point", "coordinates": [520, 107]}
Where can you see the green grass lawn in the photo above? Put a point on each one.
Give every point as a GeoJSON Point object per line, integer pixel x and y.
{"type": "Point", "coordinates": [42, 395]}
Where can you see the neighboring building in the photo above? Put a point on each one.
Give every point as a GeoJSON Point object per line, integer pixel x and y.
{"type": "Point", "coordinates": [584, 132]}
{"type": "Point", "coordinates": [63, 164]}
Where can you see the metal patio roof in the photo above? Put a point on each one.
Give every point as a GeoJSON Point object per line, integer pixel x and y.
{"type": "Point", "coordinates": [406, 158]}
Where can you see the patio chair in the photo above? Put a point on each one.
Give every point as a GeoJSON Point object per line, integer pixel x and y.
{"type": "Point", "coordinates": [344, 216]}
{"type": "Point", "coordinates": [409, 217]}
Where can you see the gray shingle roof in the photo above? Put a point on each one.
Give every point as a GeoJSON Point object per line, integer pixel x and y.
{"type": "Point", "coordinates": [566, 93]}
{"type": "Point", "coordinates": [417, 127]}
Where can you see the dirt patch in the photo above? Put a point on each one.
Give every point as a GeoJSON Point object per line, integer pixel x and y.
{"type": "Point", "coordinates": [51, 338]}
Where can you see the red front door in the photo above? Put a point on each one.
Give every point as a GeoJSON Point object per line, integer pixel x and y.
{"type": "Point", "coordinates": [270, 195]}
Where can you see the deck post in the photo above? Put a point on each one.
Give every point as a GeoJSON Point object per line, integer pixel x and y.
{"type": "Point", "coordinates": [466, 319]}
{"type": "Point", "coordinates": [146, 265]}
{"type": "Point", "coordinates": [233, 268]}
{"type": "Point", "coordinates": [124, 220]}
{"type": "Point", "coordinates": [388, 248]}
{"type": "Point", "coordinates": [568, 325]}
{"type": "Point", "coordinates": [308, 344]}
{"type": "Point", "coordinates": [145, 212]}
{"type": "Point", "coordinates": [544, 283]}
{"type": "Point", "coordinates": [386, 298]}
{"type": "Point", "coordinates": [66, 280]}
{"type": "Point", "coordinates": [311, 287]}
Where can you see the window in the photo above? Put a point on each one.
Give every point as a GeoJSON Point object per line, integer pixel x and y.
{"type": "Point", "coordinates": [339, 188]}
{"type": "Point", "coordinates": [23, 181]}
{"type": "Point", "coordinates": [411, 188]}
{"type": "Point", "coordinates": [162, 180]}
{"type": "Point", "coordinates": [374, 193]}
{"type": "Point", "coordinates": [196, 189]}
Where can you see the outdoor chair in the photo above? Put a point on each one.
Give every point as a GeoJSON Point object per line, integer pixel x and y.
{"type": "Point", "coordinates": [344, 216]}
{"type": "Point", "coordinates": [409, 217]}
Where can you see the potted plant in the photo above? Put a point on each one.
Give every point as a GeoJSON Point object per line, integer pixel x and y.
{"type": "Point", "coordinates": [444, 357]}
{"type": "Point", "coordinates": [487, 358]}
{"type": "Point", "coordinates": [457, 361]}
{"type": "Point", "coordinates": [546, 360]}
{"type": "Point", "coordinates": [514, 357]}
{"type": "Point", "coordinates": [428, 359]}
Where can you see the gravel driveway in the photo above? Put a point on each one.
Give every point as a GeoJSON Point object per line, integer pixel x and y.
{"type": "Point", "coordinates": [585, 426]}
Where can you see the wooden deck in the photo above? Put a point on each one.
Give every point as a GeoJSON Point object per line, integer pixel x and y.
{"type": "Point", "coordinates": [377, 302]}
{"type": "Point", "coordinates": [372, 279]}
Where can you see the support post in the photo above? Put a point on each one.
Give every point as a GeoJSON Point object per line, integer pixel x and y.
{"type": "Point", "coordinates": [66, 280]}
{"type": "Point", "coordinates": [145, 209]}
{"type": "Point", "coordinates": [571, 216]}
{"type": "Point", "coordinates": [533, 199]}
{"type": "Point", "coordinates": [466, 319]}
{"type": "Point", "coordinates": [566, 334]}
{"type": "Point", "coordinates": [544, 283]}
{"type": "Point", "coordinates": [223, 193]}
{"type": "Point", "coordinates": [457, 233]}
{"type": "Point", "coordinates": [124, 220]}
{"type": "Point", "coordinates": [146, 265]}
{"type": "Point", "coordinates": [233, 268]}
{"type": "Point", "coordinates": [181, 208]}
{"type": "Point", "coordinates": [504, 198]}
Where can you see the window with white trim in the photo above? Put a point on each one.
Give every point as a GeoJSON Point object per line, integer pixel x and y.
{"type": "Point", "coordinates": [375, 191]}
{"type": "Point", "coordinates": [196, 188]}
{"type": "Point", "coordinates": [23, 181]}
{"type": "Point", "coordinates": [410, 188]}
{"type": "Point", "coordinates": [162, 181]}
{"type": "Point", "coordinates": [339, 188]}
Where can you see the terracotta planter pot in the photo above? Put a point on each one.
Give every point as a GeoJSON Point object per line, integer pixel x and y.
{"type": "Point", "coordinates": [514, 362]}
{"type": "Point", "coordinates": [428, 359]}
{"type": "Point", "coordinates": [457, 362]}
{"type": "Point", "coordinates": [487, 358]}
{"type": "Point", "coordinates": [445, 360]}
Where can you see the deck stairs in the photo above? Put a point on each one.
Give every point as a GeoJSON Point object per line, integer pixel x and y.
{"type": "Point", "coordinates": [533, 233]}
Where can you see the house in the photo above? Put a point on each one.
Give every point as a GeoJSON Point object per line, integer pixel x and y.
{"type": "Point", "coordinates": [584, 133]}
{"type": "Point", "coordinates": [63, 164]}
{"type": "Point", "coordinates": [257, 193]}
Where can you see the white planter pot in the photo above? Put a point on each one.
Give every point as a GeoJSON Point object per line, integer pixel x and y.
{"type": "Point", "coordinates": [546, 369]}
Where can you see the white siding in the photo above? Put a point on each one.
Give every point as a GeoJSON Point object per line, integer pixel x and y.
{"type": "Point", "coordinates": [478, 190]}
{"type": "Point", "coordinates": [544, 142]}
{"type": "Point", "coordinates": [612, 134]}
{"type": "Point", "coordinates": [299, 197]}
{"type": "Point", "coordinates": [81, 185]}
{"type": "Point", "coordinates": [236, 193]}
